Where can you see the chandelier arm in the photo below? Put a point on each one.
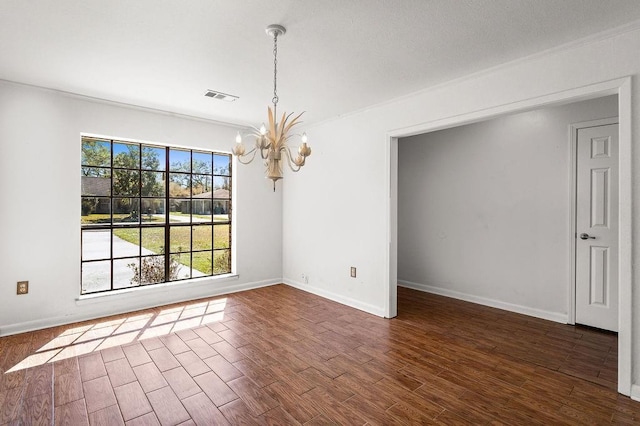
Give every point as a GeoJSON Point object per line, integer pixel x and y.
{"type": "Point", "coordinates": [253, 151]}
{"type": "Point", "coordinates": [290, 162]}
{"type": "Point", "coordinates": [264, 153]}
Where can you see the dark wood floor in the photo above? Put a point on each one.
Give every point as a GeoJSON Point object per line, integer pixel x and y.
{"type": "Point", "coordinates": [277, 355]}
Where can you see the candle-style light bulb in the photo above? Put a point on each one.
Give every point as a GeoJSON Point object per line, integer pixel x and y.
{"type": "Point", "coordinates": [304, 137]}
{"type": "Point", "coordinates": [238, 137]}
{"type": "Point", "coordinates": [263, 130]}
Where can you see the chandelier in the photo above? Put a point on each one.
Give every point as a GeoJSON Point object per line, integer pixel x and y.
{"type": "Point", "coordinates": [271, 142]}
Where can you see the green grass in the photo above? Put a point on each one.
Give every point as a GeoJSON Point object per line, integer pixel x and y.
{"type": "Point", "coordinates": [180, 239]}
{"type": "Point", "coordinates": [102, 218]}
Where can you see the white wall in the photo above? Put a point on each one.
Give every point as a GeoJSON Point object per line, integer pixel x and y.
{"type": "Point", "coordinates": [483, 209]}
{"type": "Point", "coordinates": [335, 210]}
{"type": "Point", "coordinates": [40, 207]}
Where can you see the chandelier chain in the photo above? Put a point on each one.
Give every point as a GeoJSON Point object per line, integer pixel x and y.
{"type": "Point", "coordinates": [275, 71]}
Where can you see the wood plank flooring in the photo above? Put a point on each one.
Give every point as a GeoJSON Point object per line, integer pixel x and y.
{"type": "Point", "coordinates": [277, 355]}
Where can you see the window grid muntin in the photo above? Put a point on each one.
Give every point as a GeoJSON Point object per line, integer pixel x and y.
{"type": "Point", "coordinates": [112, 226]}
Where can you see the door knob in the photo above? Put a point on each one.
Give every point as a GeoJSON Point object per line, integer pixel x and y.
{"type": "Point", "coordinates": [584, 236]}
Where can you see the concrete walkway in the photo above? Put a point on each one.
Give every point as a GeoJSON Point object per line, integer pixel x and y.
{"type": "Point", "coordinates": [182, 219]}
{"type": "Point", "coordinates": [96, 275]}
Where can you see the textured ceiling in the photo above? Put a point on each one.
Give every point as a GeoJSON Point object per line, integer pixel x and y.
{"type": "Point", "coordinates": [337, 56]}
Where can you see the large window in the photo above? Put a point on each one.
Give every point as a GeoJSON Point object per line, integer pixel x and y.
{"type": "Point", "coordinates": [152, 214]}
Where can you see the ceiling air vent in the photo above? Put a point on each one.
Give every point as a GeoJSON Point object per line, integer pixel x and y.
{"type": "Point", "coordinates": [220, 96]}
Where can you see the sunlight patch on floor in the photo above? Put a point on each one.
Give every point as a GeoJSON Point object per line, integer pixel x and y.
{"type": "Point", "coordinates": [93, 337]}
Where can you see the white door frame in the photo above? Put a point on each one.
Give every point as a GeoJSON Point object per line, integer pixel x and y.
{"type": "Point", "coordinates": [621, 87]}
{"type": "Point", "coordinates": [573, 161]}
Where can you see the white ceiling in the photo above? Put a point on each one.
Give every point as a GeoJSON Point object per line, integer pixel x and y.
{"type": "Point", "coordinates": [337, 56]}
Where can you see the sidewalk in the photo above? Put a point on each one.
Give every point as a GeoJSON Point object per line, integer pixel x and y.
{"type": "Point", "coordinates": [96, 275]}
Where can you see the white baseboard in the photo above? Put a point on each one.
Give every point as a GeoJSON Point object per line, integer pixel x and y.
{"type": "Point", "coordinates": [375, 310]}
{"type": "Point", "coordinates": [103, 306]}
{"type": "Point", "coordinates": [525, 310]}
{"type": "Point", "coordinates": [635, 392]}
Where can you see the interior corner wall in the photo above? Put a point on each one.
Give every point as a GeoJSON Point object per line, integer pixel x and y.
{"type": "Point", "coordinates": [40, 155]}
{"type": "Point", "coordinates": [336, 210]}
{"type": "Point", "coordinates": [483, 209]}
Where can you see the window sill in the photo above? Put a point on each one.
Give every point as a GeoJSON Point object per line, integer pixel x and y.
{"type": "Point", "coordinates": [149, 290]}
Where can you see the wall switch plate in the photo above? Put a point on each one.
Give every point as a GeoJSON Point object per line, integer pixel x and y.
{"type": "Point", "coordinates": [23, 287]}
{"type": "Point", "coordinates": [353, 272]}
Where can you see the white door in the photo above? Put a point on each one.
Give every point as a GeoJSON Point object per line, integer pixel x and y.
{"type": "Point", "coordinates": [597, 227]}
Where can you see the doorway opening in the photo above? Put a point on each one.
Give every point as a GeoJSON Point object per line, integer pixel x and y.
{"type": "Point", "coordinates": [619, 87]}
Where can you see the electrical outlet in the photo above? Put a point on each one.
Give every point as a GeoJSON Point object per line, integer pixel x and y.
{"type": "Point", "coordinates": [23, 287]}
{"type": "Point", "coordinates": [353, 272]}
